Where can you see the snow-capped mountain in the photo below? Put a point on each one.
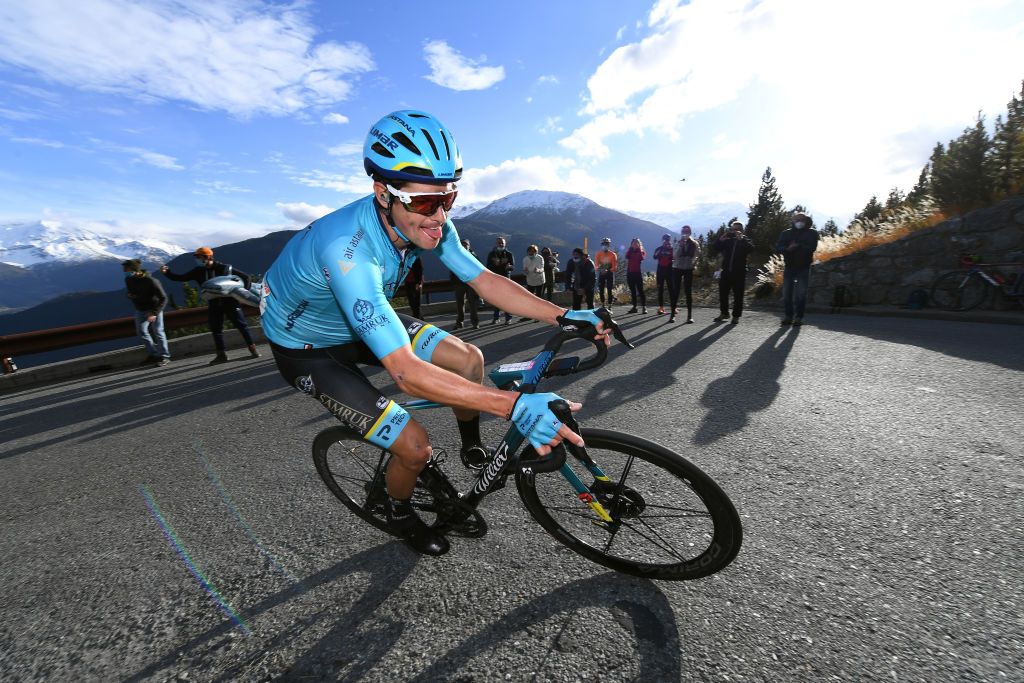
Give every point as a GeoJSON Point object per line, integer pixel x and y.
{"type": "Point", "coordinates": [461, 210]}
{"type": "Point", "coordinates": [534, 200]}
{"type": "Point", "coordinates": [47, 241]}
{"type": "Point", "coordinates": [702, 217]}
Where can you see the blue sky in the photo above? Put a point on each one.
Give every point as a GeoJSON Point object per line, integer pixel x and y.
{"type": "Point", "coordinates": [213, 121]}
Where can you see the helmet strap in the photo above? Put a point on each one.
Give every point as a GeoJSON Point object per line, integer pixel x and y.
{"type": "Point", "coordinates": [391, 221]}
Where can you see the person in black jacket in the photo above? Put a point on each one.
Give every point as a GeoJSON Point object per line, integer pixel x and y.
{"type": "Point", "coordinates": [733, 247]}
{"type": "Point", "coordinates": [414, 287]}
{"type": "Point", "coordinates": [149, 299]}
{"type": "Point", "coordinates": [551, 265]}
{"type": "Point", "coordinates": [501, 261]}
{"type": "Point", "coordinates": [797, 246]}
{"type": "Point", "coordinates": [205, 269]}
{"type": "Point", "coordinates": [580, 278]}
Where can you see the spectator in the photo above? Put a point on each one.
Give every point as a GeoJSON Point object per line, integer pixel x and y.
{"type": "Point", "coordinates": [414, 287]}
{"type": "Point", "coordinates": [684, 258]}
{"type": "Point", "coordinates": [734, 247]}
{"type": "Point", "coordinates": [464, 294]}
{"type": "Point", "coordinates": [634, 276]}
{"type": "Point", "coordinates": [149, 299]}
{"type": "Point", "coordinates": [580, 278]}
{"type": "Point", "coordinates": [501, 262]}
{"type": "Point", "coordinates": [663, 274]}
{"type": "Point", "coordinates": [205, 269]}
{"type": "Point", "coordinates": [550, 268]}
{"type": "Point", "coordinates": [533, 268]}
{"type": "Point", "coordinates": [607, 262]}
{"type": "Point", "coordinates": [797, 246]}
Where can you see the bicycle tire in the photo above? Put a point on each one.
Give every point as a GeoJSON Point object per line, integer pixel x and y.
{"type": "Point", "coordinates": [353, 470]}
{"type": "Point", "coordinates": [658, 481]}
{"type": "Point", "coordinates": [958, 291]}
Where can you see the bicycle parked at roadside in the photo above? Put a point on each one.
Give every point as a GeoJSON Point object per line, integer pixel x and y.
{"type": "Point", "coordinates": [621, 501]}
{"type": "Point", "coordinates": [968, 287]}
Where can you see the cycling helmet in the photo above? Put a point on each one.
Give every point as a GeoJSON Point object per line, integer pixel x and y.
{"type": "Point", "coordinates": [606, 240]}
{"type": "Point", "coordinates": [666, 237]}
{"type": "Point", "coordinates": [204, 252]}
{"type": "Point", "coordinates": [412, 146]}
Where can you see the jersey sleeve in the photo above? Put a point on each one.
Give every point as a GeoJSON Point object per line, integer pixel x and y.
{"type": "Point", "coordinates": [358, 287]}
{"type": "Point", "coordinates": [455, 257]}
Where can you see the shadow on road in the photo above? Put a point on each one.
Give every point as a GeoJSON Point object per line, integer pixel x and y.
{"type": "Point", "coordinates": [387, 565]}
{"type": "Point", "coordinates": [637, 605]}
{"type": "Point", "coordinates": [753, 386]}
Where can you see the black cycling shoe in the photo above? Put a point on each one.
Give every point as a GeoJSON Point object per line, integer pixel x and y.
{"type": "Point", "coordinates": [418, 535]}
{"type": "Point", "coordinates": [475, 457]}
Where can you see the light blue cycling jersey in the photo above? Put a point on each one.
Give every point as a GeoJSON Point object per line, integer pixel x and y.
{"type": "Point", "coordinates": [333, 282]}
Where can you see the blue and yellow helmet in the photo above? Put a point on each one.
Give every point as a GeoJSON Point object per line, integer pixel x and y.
{"type": "Point", "coordinates": [412, 146]}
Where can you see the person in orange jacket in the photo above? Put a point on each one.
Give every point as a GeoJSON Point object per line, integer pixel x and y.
{"type": "Point", "coordinates": [607, 262]}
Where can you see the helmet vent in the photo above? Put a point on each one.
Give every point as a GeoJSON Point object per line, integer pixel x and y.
{"type": "Point", "coordinates": [447, 149]}
{"type": "Point", "coordinates": [382, 150]}
{"type": "Point", "coordinates": [415, 170]}
{"type": "Point", "coordinates": [404, 141]}
{"type": "Point", "coordinates": [413, 115]}
{"type": "Point", "coordinates": [431, 141]}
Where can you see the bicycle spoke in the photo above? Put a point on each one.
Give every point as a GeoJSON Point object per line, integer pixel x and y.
{"type": "Point", "coordinates": [657, 540]}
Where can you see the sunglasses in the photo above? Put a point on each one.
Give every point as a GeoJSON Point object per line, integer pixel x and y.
{"type": "Point", "coordinates": [425, 203]}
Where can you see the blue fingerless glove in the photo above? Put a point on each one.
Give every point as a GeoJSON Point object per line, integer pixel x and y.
{"type": "Point", "coordinates": [534, 419]}
{"type": "Point", "coordinates": [587, 315]}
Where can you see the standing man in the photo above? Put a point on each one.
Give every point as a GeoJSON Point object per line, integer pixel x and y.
{"type": "Point", "coordinates": [551, 264]}
{"type": "Point", "coordinates": [149, 299]}
{"type": "Point", "coordinates": [663, 275]}
{"type": "Point", "coordinates": [465, 294]}
{"type": "Point", "coordinates": [797, 246]}
{"type": "Point", "coordinates": [501, 262]}
{"type": "Point", "coordinates": [683, 262]}
{"type": "Point", "coordinates": [206, 268]}
{"type": "Point", "coordinates": [414, 287]}
{"type": "Point", "coordinates": [607, 262]}
{"type": "Point", "coordinates": [580, 277]}
{"type": "Point", "coordinates": [734, 247]}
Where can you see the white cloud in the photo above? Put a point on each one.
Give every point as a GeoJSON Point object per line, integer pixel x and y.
{"type": "Point", "coordinates": [548, 79]}
{"type": "Point", "coordinates": [302, 213]}
{"type": "Point", "coordinates": [621, 32]}
{"type": "Point", "coordinates": [551, 125]}
{"type": "Point", "coordinates": [225, 215]}
{"type": "Point", "coordinates": [145, 156]}
{"type": "Point", "coordinates": [42, 142]}
{"type": "Point", "coordinates": [221, 187]}
{"type": "Point", "coordinates": [243, 56]}
{"type": "Point", "coordinates": [18, 114]}
{"type": "Point", "coordinates": [335, 118]}
{"type": "Point", "coordinates": [352, 183]}
{"type": "Point", "coordinates": [450, 69]}
{"type": "Point", "coordinates": [345, 149]}
{"type": "Point", "coordinates": [872, 74]}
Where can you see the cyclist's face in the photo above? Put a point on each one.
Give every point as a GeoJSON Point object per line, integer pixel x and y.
{"type": "Point", "coordinates": [423, 231]}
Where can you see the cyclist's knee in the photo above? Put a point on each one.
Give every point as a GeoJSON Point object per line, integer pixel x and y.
{"type": "Point", "coordinates": [413, 447]}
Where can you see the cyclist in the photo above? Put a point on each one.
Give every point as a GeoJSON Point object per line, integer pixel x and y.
{"type": "Point", "coordinates": [326, 309]}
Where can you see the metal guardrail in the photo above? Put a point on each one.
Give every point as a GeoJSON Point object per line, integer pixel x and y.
{"type": "Point", "coordinates": [25, 343]}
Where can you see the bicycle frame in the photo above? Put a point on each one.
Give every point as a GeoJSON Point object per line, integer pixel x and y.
{"type": "Point", "coordinates": [526, 377]}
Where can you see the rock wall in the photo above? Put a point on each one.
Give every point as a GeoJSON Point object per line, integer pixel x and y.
{"type": "Point", "coordinates": [886, 274]}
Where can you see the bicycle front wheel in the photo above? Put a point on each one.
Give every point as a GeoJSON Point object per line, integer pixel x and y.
{"type": "Point", "coordinates": [668, 520]}
{"type": "Point", "coordinates": [958, 291]}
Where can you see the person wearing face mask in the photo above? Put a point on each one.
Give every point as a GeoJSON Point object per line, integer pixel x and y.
{"type": "Point", "coordinates": [634, 275]}
{"type": "Point", "coordinates": [797, 246]}
{"type": "Point", "coordinates": [206, 268]}
{"type": "Point", "coordinates": [580, 277]}
{"type": "Point", "coordinates": [684, 258]}
{"type": "Point", "coordinates": [663, 275]}
{"type": "Point", "coordinates": [733, 246]}
{"type": "Point", "coordinates": [551, 264]}
{"type": "Point", "coordinates": [607, 262]}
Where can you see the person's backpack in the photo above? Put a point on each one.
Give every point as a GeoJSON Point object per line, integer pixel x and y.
{"type": "Point", "coordinates": [917, 299]}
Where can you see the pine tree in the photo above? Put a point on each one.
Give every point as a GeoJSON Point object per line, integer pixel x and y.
{"type": "Point", "coordinates": [871, 211]}
{"type": "Point", "coordinates": [191, 296]}
{"type": "Point", "coordinates": [960, 180]}
{"type": "Point", "coordinates": [1006, 159]}
{"type": "Point", "coordinates": [830, 228]}
{"type": "Point", "coordinates": [896, 199]}
{"type": "Point", "coordinates": [923, 187]}
{"type": "Point", "coordinates": [766, 218]}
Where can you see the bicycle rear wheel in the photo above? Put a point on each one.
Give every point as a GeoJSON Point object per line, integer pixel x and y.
{"type": "Point", "coordinates": [669, 519]}
{"type": "Point", "coordinates": [958, 291]}
{"type": "Point", "coordinates": [353, 470]}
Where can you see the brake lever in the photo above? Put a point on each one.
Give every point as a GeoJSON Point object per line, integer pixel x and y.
{"type": "Point", "coordinates": [606, 317]}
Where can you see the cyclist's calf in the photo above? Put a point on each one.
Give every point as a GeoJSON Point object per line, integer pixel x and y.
{"type": "Point", "coordinates": [411, 453]}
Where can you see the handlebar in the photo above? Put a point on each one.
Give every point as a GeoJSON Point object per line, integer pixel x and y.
{"type": "Point", "coordinates": [577, 329]}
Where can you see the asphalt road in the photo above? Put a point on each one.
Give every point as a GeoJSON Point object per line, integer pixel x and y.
{"type": "Point", "coordinates": [167, 524]}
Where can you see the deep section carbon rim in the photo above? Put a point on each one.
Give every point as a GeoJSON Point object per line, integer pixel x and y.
{"type": "Point", "coordinates": [669, 519]}
{"type": "Point", "coordinates": [958, 291]}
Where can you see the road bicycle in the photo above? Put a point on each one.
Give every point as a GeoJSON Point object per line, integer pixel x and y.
{"type": "Point", "coordinates": [621, 501]}
{"type": "Point", "coordinates": [967, 288]}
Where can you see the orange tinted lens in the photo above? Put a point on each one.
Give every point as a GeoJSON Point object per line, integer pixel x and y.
{"type": "Point", "coordinates": [428, 205]}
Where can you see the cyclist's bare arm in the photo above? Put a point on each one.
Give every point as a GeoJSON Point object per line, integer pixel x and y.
{"type": "Point", "coordinates": [509, 296]}
{"type": "Point", "coordinates": [423, 380]}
